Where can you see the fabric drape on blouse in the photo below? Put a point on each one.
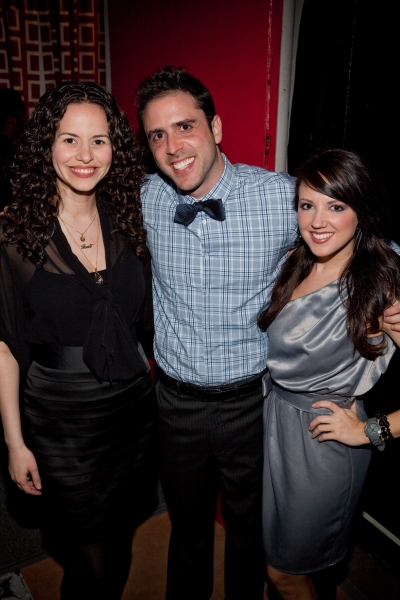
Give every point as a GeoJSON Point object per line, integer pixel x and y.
{"type": "Point", "coordinates": [100, 318]}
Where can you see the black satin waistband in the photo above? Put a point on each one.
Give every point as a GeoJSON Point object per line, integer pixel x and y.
{"type": "Point", "coordinates": [68, 358]}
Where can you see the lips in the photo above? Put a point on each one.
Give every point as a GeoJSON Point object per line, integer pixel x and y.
{"type": "Point", "coordinates": [320, 238]}
{"type": "Point", "coordinates": [181, 165]}
{"type": "Point", "coordinates": [83, 172]}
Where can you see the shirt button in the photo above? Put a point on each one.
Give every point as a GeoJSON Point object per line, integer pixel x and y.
{"type": "Point", "coordinates": [206, 291]}
{"type": "Point", "coordinates": [204, 221]}
{"type": "Point", "coordinates": [206, 256]}
{"type": "Point", "coordinates": [207, 326]}
{"type": "Point", "coordinates": [208, 357]}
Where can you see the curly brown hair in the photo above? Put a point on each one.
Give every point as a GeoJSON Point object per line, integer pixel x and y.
{"type": "Point", "coordinates": [32, 213]}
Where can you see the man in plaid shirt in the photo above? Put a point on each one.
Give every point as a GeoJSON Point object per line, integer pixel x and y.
{"type": "Point", "coordinates": [214, 264]}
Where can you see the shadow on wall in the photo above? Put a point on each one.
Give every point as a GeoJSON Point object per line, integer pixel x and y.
{"type": "Point", "coordinates": [13, 114]}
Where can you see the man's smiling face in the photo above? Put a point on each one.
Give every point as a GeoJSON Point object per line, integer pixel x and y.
{"type": "Point", "coordinates": [183, 146]}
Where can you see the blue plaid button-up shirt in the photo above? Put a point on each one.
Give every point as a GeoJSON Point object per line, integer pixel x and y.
{"type": "Point", "coordinates": [212, 278]}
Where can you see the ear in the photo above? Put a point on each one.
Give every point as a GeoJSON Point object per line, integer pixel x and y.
{"type": "Point", "coordinates": [216, 127]}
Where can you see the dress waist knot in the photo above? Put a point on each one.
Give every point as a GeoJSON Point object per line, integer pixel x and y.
{"type": "Point", "coordinates": [305, 401]}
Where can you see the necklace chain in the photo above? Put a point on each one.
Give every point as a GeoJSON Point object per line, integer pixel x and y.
{"type": "Point", "coordinates": [83, 246]}
{"type": "Point", "coordinates": [82, 234]}
{"type": "Point", "coordinates": [97, 277]}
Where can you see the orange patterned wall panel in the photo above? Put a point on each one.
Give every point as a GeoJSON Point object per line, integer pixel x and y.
{"type": "Point", "coordinates": [43, 42]}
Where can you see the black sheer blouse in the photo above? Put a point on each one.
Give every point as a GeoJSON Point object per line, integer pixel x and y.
{"type": "Point", "coordinates": [60, 304]}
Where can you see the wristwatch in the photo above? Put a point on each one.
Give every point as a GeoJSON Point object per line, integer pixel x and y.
{"type": "Point", "coordinates": [373, 430]}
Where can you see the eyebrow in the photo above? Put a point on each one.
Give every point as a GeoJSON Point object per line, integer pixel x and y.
{"type": "Point", "coordinates": [331, 201]}
{"type": "Point", "coordinates": [98, 135]}
{"type": "Point", "coordinates": [176, 124]}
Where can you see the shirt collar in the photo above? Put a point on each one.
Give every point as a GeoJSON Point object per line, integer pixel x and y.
{"type": "Point", "coordinates": [221, 189]}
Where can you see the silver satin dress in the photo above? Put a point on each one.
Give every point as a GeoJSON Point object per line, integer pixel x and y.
{"type": "Point", "coordinates": [311, 488]}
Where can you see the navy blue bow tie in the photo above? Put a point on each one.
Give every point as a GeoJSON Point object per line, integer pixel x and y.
{"type": "Point", "coordinates": [186, 213]}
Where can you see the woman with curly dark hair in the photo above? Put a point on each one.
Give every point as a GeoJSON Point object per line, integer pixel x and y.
{"type": "Point", "coordinates": [74, 297]}
{"type": "Point", "coordinates": [328, 344]}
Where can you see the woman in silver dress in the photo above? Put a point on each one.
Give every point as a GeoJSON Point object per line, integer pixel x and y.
{"type": "Point", "coordinates": [328, 344]}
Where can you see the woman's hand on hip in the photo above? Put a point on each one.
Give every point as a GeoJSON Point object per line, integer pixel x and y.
{"type": "Point", "coordinates": [23, 470]}
{"type": "Point", "coordinates": [342, 425]}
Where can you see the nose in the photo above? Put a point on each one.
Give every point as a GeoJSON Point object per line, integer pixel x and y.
{"type": "Point", "coordinates": [174, 144]}
{"type": "Point", "coordinates": [319, 218]}
{"type": "Point", "coordinates": [85, 153]}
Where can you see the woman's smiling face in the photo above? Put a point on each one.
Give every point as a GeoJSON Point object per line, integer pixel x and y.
{"type": "Point", "coordinates": [82, 152]}
{"type": "Point", "coordinates": [326, 225]}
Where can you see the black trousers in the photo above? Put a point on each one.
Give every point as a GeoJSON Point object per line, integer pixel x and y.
{"type": "Point", "coordinates": [208, 447]}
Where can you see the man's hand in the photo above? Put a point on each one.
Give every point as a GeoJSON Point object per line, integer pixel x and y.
{"type": "Point", "coordinates": [392, 316]}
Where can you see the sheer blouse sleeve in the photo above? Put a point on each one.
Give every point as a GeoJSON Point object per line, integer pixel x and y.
{"type": "Point", "coordinates": [11, 309]}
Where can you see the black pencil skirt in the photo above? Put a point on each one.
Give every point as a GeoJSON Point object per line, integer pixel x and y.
{"type": "Point", "coordinates": [96, 450]}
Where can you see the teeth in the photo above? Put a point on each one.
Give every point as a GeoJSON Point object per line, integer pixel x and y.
{"type": "Point", "coordinates": [321, 236]}
{"type": "Point", "coordinates": [184, 163]}
{"type": "Point", "coordinates": [82, 170]}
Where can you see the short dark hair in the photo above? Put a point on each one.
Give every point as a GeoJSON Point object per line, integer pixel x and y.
{"type": "Point", "coordinates": [169, 80]}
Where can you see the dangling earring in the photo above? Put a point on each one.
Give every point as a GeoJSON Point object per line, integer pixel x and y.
{"type": "Point", "coordinates": [357, 236]}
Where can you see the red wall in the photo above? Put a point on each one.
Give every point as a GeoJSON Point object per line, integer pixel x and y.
{"type": "Point", "coordinates": [231, 45]}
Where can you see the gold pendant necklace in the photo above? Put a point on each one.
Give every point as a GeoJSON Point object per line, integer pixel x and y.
{"type": "Point", "coordinates": [84, 246]}
{"type": "Point", "coordinates": [82, 235]}
{"type": "Point", "coordinates": [97, 277]}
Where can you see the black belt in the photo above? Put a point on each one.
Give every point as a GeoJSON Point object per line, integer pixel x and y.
{"type": "Point", "coordinates": [214, 393]}
{"type": "Point", "coordinates": [68, 358]}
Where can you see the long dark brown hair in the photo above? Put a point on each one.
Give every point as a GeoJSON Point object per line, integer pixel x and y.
{"type": "Point", "coordinates": [370, 281]}
{"type": "Point", "coordinates": [32, 213]}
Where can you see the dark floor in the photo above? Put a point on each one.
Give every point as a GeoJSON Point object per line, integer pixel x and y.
{"type": "Point", "coordinates": [149, 563]}
{"type": "Point", "coordinates": [148, 572]}
{"type": "Point", "coordinates": [371, 573]}
{"type": "Point", "coordinates": [374, 567]}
